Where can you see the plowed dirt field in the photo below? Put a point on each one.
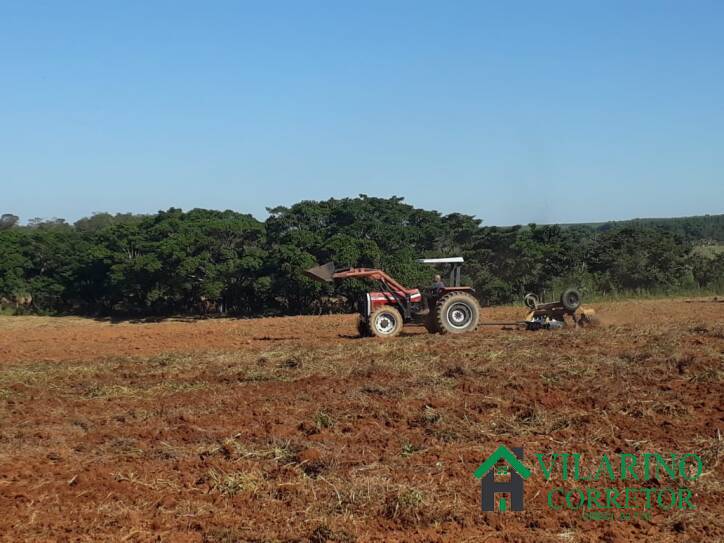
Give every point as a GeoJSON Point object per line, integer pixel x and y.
{"type": "Point", "coordinates": [293, 429]}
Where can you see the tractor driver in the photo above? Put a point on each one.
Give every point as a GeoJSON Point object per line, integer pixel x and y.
{"type": "Point", "coordinates": [437, 284]}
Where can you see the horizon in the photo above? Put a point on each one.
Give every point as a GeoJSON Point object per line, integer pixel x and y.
{"type": "Point", "coordinates": [25, 221]}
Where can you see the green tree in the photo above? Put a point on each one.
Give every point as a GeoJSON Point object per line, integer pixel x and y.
{"type": "Point", "coordinates": [635, 258]}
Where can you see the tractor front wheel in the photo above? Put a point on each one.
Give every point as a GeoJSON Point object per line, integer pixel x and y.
{"type": "Point", "coordinates": [385, 322]}
{"type": "Point", "coordinates": [456, 313]}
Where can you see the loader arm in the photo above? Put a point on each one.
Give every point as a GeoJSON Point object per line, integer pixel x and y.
{"type": "Point", "coordinates": [370, 273]}
{"type": "Point", "coordinates": [327, 273]}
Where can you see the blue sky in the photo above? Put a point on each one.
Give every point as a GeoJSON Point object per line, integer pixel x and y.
{"type": "Point", "coordinates": [514, 112]}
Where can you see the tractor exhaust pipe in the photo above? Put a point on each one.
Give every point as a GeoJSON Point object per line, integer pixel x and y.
{"type": "Point", "coordinates": [323, 273]}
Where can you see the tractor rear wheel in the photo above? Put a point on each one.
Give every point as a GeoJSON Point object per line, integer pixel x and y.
{"type": "Point", "coordinates": [456, 313]}
{"type": "Point", "coordinates": [385, 322]}
{"type": "Point", "coordinates": [431, 323]}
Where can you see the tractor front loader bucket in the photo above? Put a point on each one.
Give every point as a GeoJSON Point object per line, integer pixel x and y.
{"type": "Point", "coordinates": [324, 273]}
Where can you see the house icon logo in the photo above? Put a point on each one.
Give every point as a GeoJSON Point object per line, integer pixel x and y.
{"type": "Point", "coordinates": [489, 487]}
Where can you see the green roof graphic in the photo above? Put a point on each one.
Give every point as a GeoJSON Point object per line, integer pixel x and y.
{"type": "Point", "coordinates": [509, 457]}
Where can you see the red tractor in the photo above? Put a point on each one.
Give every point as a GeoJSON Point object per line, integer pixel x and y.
{"type": "Point", "coordinates": [442, 309]}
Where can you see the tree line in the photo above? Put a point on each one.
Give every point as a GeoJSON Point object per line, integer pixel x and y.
{"type": "Point", "coordinates": [704, 229]}
{"type": "Point", "coordinates": [206, 261]}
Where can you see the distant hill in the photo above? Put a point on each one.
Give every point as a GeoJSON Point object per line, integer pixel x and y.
{"type": "Point", "coordinates": [700, 229]}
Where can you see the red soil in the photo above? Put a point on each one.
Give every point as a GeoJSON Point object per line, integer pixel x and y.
{"type": "Point", "coordinates": [292, 429]}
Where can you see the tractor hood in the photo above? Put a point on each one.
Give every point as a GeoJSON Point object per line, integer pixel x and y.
{"type": "Point", "coordinates": [323, 273]}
